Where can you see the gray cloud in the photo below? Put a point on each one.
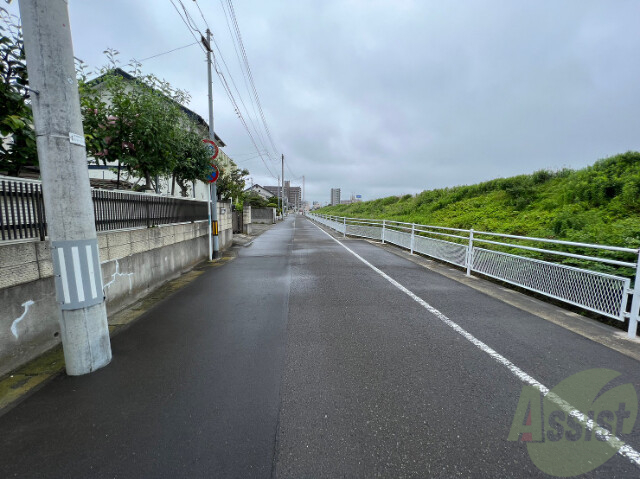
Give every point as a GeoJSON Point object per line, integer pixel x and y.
{"type": "Point", "coordinates": [388, 97]}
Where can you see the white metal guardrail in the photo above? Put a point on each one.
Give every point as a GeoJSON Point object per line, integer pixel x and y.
{"type": "Point", "coordinates": [492, 254]}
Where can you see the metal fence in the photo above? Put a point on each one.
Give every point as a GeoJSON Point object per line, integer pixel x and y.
{"type": "Point", "coordinates": [495, 255]}
{"type": "Point", "coordinates": [22, 213]}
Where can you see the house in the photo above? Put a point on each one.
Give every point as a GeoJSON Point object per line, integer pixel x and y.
{"type": "Point", "coordinates": [260, 191]}
{"type": "Point", "coordinates": [108, 173]}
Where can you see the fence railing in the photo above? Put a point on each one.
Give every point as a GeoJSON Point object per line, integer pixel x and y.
{"type": "Point", "coordinates": [22, 213]}
{"type": "Point", "coordinates": [527, 262]}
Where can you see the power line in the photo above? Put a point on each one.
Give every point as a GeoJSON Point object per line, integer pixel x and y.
{"type": "Point", "coordinates": [290, 170]}
{"type": "Point", "coordinates": [250, 153]}
{"type": "Point", "coordinates": [249, 73]}
{"type": "Point", "coordinates": [169, 51]}
{"type": "Point", "coordinates": [201, 14]}
{"type": "Point", "coordinates": [188, 27]}
{"type": "Point", "coordinates": [215, 43]}
{"type": "Point", "coordinates": [229, 93]}
{"type": "Point", "coordinates": [190, 20]}
{"type": "Point", "coordinates": [234, 42]}
{"type": "Point", "coordinates": [192, 27]}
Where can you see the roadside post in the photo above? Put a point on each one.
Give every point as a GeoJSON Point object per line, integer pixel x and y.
{"type": "Point", "coordinates": [212, 177]}
{"type": "Point", "coordinates": [469, 259]}
{"type": "Point", "coordinates": [384, 225]}
{"type": "Point", "coordinates": [413, 237]}
{"type": "Point", "coordinates": [635, 303]}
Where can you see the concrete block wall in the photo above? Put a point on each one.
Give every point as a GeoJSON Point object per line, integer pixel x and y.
{"type": "Point", "coordinates": [246, 220]}
{"type": "Point", "coordinates": [225, 224]}
{"type": "Point", "coordinates": [263, 215]}
{"type": "Point", "coordinates": [134, 262]}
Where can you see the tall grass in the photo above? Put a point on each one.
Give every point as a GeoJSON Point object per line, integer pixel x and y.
{"type": "Point", "coordinates": [597, 204]}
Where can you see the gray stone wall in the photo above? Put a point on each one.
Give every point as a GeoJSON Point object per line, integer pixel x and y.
{"type": "Point", "coordinates": [246, 219]}
{"type": "Point", "coordinates": [225, 224]}
{"type": "Point", "coordinates": [263, 215]}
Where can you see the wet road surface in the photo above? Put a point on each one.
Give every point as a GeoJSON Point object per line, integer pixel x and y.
{"type": "Point", "coordinates": [298, 359]}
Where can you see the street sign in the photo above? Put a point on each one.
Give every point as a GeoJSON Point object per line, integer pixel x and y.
{"type": "Point", "coordinates": [358, 196]}
{"type": "Point", "coordinates": [213, 174]}
{"type": "Point", "coordinates": [213, 147]}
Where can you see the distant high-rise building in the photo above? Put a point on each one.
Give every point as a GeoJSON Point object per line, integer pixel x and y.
{"type": "Point", "coordinates": [335, 196]}
{"type": "Point", "coordinates": [292, 194]}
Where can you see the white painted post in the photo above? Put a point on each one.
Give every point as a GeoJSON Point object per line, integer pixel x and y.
{"type": "Point", "coordinates": [384, 223]}
{"type": "Point", "coordinates": [344, 233]}
{"type": "Point", "coordinates": [635, 303]}
{"type": "Point", "coordinates": [209, 207]}
{"type": "Point", "coordinates": [413, 237]}
{"type": "Point", "coordinates": [470, 253]}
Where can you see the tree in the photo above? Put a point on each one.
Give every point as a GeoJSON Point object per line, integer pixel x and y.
{"type": "Point", "coordinates": [194, 160]}
{"type": "Point", "coordinates": [16, 118]}
{"type": "Point", "coordinates": [255, 200]}
{"type": "Point", "coordinates": [232, 181]}
{"type": "Point", "coordinates": [137, 121]}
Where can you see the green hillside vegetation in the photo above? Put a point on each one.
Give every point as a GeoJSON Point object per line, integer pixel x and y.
{"type": "Point", "coordinates": [597, 204]}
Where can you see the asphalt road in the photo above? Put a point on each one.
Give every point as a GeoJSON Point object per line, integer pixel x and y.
{"type": "Point", "coordinates": [298, 359]}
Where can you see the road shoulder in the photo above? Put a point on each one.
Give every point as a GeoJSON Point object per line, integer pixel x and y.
{"type": "Point", "coordinates": [612, 338]}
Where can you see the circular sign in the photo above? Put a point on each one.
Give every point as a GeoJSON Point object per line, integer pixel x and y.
{"type": "Point", "coordinates": [213, 174]}
{"type": "Point", "coordinates": [213, 147]}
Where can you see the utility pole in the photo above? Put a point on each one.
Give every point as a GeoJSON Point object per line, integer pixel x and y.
{"type": "Point", "coordinates": [280, 198]}
{"type": "Point", "coordinates": [213, 191]}
{"type": "Point", "coordinates": [303, 201]}
{"type": "Point", "coordinates": [65, 184]}
{"type": "Point", "coordinates": [282, 191]}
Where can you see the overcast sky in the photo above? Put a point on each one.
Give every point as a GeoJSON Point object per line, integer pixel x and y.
{"type": "Point", "coordinates": [383, 97]}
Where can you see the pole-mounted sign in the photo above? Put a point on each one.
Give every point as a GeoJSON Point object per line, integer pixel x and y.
{"type": "Point", "coordinates": [213, 175]}
{"type": "Point", "coordinates": [213, 147]}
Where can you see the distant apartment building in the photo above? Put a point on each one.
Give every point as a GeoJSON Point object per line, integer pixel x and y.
{"type": "Point", "coordinates": [292, 194]}
{"type": "Point", "coordinates": [335, 196]}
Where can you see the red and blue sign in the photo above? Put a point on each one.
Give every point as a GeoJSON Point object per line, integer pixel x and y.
{"type": "Point", "coordinates": [214, 173]}
{"type": "Point", "coordinates": [213, 147]}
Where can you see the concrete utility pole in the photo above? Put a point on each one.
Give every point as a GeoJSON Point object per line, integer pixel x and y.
{"type": "Point", "coordinates": [282, 191]}
{"type": "Point", "coordinates": [303, 202]}
{"type": "Point", "coordinates": [212, 137]}
{"type": "Point", "coordinates": [65, 185]}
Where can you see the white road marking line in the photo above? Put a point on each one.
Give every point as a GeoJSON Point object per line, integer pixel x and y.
{"type": "Point", "coordinates": [623, 449]}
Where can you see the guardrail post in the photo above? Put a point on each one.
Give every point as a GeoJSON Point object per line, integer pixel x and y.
{"type": "Point", "coordinates": [384, 224]}
{"type": "Point", "coordinates": [635, 303]}
{"type": "Point", "coordinates": [413, 236]}
{"type": "Point", "coordinates": [470, 253]}
{"type": "Point", "coordinates": [344, 233]}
